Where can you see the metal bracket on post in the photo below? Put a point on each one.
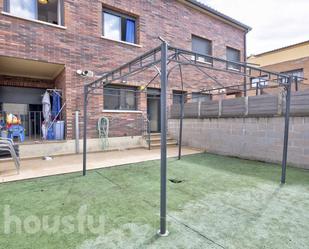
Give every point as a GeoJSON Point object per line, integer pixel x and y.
{"type": "Point", "coordinates": [286, 129]}
{"type": "Point", "coordinates": [164, 50]}
{"type": "Point", "coordinates": [85, 131]}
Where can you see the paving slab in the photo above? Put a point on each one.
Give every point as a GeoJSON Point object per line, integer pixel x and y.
{"type": "Point", "coordinates": [33, 168]}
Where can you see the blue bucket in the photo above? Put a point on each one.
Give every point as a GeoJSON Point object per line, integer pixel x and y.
{"type": "Point", "coordinates": [50, 134]}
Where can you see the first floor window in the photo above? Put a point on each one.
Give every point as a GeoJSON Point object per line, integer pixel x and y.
{"type": "Point", "coordinates": [120, 98]}
{"type": "Point", "coordinates": [119, 27]}
{"type": "Point", "coordinates": [23, 8]}
{"type": "Point", "coordinates": [233, 55]}
{"type": "Point", "coordinates": [202, 46]}
{"type": "Point", "coordinates": [296, 73]}
{"type": "Point", "coordinates": [261, 81]}
{"type": "Point", "coordinates": [200, 97]}
{"type": "Point", "coordinates": [43, 10]}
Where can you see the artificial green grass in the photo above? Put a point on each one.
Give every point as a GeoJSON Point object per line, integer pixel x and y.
{"type": "Point", "coordinates": [221, 202]}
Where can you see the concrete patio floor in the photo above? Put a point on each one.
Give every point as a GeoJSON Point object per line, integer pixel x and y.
{"type": "Point", "coordinates": [34, 168]}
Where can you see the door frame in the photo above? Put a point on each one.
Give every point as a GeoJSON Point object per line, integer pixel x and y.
{"type": "Point", "coordinates": [153, 94]}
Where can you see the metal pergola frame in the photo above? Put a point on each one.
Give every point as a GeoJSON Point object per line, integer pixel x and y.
{"type": "Point", "coordinates": [166, 54]}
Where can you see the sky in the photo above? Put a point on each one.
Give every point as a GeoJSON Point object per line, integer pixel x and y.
{"type": "Point", "coordinates": [274, 23]}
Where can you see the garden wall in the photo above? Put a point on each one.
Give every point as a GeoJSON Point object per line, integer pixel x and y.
{"type": "Point", "coordinates": [254, 130]}
{"type": "Point", "coordinates": [253, 106]}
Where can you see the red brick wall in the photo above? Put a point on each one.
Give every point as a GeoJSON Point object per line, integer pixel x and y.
{"type": "Point", "coordinates": [128, 124]}
{"type": "Point", "coordinates": [80, 45]}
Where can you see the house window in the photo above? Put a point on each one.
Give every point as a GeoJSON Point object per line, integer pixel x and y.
{"type": "Point", "coordinates": [200, 97]}
{"type": "Point", "coordinates": [296, 72]}
{"type": "Point", "coordinates": [177, 97]}
{"type": "Point", "coordinates": [43, 10]}
{"type": "Point", "coordinates": [120, 98]}
{"type": "Point", "coordinates": [233, 55]}
{"type": "Point", "coordinates": [202, 46]}
{"type": "Point", "coordinates": [119, 27]}
{"type": "Point", "coordinates": [261, 81]}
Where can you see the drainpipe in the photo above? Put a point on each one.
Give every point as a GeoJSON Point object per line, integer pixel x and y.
{"type": "Point", "coordinates": [245, 61]}
{"type": "Point", "coordinates": [77, 132]}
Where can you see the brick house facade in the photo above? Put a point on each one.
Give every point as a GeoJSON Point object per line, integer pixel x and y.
{"type": "Point", "coordinates": [293, 60]}
{"type": "Point", "coordinates": [79, 44]}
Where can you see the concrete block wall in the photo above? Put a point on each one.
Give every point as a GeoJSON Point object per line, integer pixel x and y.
{"type": "Point", "coordinates": [250, 138]}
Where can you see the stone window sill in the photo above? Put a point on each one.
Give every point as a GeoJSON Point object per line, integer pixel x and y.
{"type": "Point", "coordinates": [200, 61]}
{"type": "Point", "coordinates": [34, 20]}
{"type": "Point", "coordinates": [122, 42]}
{"type": "Point", "coordinates": [233, 69]}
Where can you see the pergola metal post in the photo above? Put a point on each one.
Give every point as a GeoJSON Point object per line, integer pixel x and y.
{"type": "Point", "coordinates": [180, 126]}
{"type": "Point", "coordinates": [286, 129]}
{"type": "Point", "coordinates": [181, 115]}
{"type": "Point", "coordinates": [257, 89]}
{"type": "Point", "coordinates": [296, 84]}
{"type": "Point", "coordinates": [85, 131]}
{"type": "Point", "coordinates": [164, 50]}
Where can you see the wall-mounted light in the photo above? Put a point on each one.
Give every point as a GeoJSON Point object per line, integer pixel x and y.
{"type": "Point", "coordinates": [43, 1]}
{"type": "Point", "coordinates": [85, 73]}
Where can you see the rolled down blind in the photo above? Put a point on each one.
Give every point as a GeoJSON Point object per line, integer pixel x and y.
{"type": "Point", "coordinates": [130, 31]}
{"type": "Point", "coordinates": [21, 95]}
{"type": "Point", "coordinates": [233, 55]}
{"type": "Point", "coordinates": [201, 46]}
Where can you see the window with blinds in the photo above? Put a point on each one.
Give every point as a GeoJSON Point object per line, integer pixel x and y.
{"type": "Point", "coordinates": [233, 54]}
{"type": "Point", "coordinates": [202, 46]}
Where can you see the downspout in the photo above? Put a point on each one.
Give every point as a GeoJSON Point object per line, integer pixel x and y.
{"type": "Point", "coordinates": [245, 61]}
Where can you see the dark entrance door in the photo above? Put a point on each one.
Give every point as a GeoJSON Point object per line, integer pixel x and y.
{"type": "Point", "coordinates": [153, 109]}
